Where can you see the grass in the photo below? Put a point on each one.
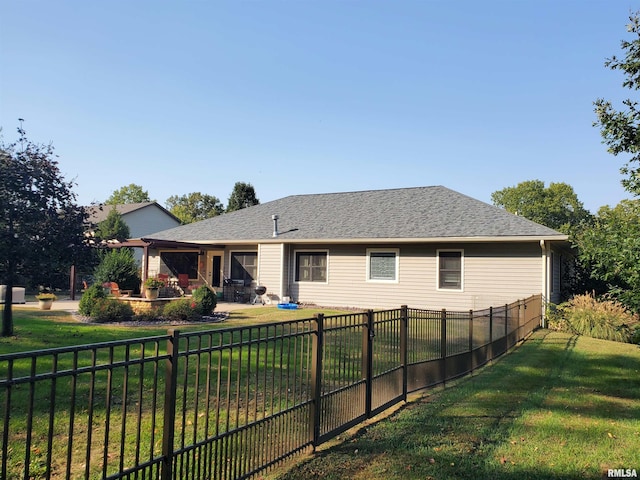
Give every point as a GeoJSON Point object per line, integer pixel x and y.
{"type": "Point", "coordinates": [130, 387]}
{"type": "Point", "coordinates": [559, 407]}
{"type": "Point", "coordinates": [38, 329]}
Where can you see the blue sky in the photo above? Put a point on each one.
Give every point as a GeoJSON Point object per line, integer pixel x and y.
{"type": "Point", "coordinates": [302, 97]}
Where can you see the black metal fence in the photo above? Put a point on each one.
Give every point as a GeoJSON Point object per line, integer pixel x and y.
{"type": "Point", "coordinates": [229, 403]}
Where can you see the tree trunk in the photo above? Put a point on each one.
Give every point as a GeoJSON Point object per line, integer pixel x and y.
{"type": "Point", "coordinates": [7, 312]}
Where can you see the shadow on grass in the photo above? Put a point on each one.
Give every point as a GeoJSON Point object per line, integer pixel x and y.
{"type": "Point", "coordinates": [495, 425]}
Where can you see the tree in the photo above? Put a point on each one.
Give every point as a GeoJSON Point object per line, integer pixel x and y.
{"type": "Point", "coordinates": [41, 227]}
{"type": "Point", "coordinates": [112, 228]}
{"type": "Point", "coordinates": [610, 250]}
{"type": "Point", "coordinates": [556, 207]}
{"type": "Point", "coordinates": [194, 207]}
{"type": "Point", "coordinates": [242, 196]}
{"type": "Point", "coordinates": [620, 129]}
{"type": "Point", "coordinates": [131, 193]}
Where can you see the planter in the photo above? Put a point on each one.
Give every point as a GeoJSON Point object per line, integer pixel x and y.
{"type": "Point", "coordinates": [45, 304]}
{"type": "Point", "coordinates": [151, 293]}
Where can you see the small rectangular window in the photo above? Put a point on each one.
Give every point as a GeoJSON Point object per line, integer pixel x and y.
{"type": "Point", "coordinates": [450, 270]}
{"type": "Point", "coordinates": [311, 266]}
{"type": "Point", "coordinates": [382, 265]}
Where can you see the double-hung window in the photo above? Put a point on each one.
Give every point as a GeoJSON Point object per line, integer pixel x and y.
{"type": "Point", "coordinates": [382, 265]}
{"type": "Point", "coordinates": [450, 269]}
{"type": "Point", "coordinates": [311, 266]}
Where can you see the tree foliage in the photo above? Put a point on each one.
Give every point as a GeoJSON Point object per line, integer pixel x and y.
{"type": "Point", "coordinates": [131, 193]}
{"type": "Point", "coordinates": [41, 227]}
{"type": "Point", "coordinates": [118, 265]}
{"type": "Point", "coordinates": [242, 196]}
{"type": "Point", "coordinates": [620, 129]}
{"type": "Point", "coordinates": [194, 207]}
{"type": "Point", "coordinates": [112, 228]}
{"type": "Point", "coordinates": [556, 206]}
{"type": "Point", "coordinates": [610, 249]}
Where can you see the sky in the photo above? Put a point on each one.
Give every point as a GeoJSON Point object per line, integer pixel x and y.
{"type": "Point", "coordinates": [300, 97]}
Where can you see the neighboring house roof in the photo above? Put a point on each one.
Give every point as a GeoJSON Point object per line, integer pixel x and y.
{"type": "Point", "coordinates": [98, 213]}
{"type": "Point", "coordinates": [406, 214]}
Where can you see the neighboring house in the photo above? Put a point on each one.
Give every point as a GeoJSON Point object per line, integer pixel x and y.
{"type": "Point", "coordinates": [141, 218]}
{"type": "Point", "coordinates": [426, 247]}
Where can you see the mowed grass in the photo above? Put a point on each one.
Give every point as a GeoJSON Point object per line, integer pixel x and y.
{"type": "Point", "coordinates": [558, 407]}
{"type": "Point", "coordinates": [39, 329]}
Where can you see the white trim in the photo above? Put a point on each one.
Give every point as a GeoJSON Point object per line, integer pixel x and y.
{"type": "Point", "coordinates": [396, 252]}
{"type": "Point", "coordinates": [295, 265]}
{"type": "Point", "coordinates": [457, 290]}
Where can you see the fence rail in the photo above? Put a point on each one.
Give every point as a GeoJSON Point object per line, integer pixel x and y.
{"type": "Point", "coordinates": [229, 403]}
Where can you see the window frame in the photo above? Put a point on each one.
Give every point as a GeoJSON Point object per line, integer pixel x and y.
{"type": "Point", "coordinates": [438, 269]}
{"type": "Point", "coordinates": [242, 252]}
{"type": "Point", "coordinates": [396, 253]}
{"type": "Point", "coordinates": [296, 266]}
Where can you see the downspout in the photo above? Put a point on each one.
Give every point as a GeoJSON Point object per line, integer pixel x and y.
{"type": "Point", "coordinates": [546, 291]}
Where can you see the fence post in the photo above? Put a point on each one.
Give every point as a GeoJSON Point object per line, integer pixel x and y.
{"type": "Point", "coordinates": [490, 352]}
{"type": "Point", "coordinates": [471, 365]}
{"type": "Point", "coordinates": [171, 380]}
{"type": "Point", "coordinates": [443, 345]}
{"type": "Point", "coordinates": [506, 323]}
{"type": "Point", "coordinates": [316, 377]}
{"type": "Point", "coordinates": [404, 327]}
{"type": "Point", "coordinates": [367, 359]}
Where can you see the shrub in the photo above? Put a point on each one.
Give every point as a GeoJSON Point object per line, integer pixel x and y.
{"type": "Point", "coordinates": [205, 300]}
{"type": "Point", "coordinates": [111, 310]}
{"type": "Point", "coordinates": [89, 298]}
{"type": "Point", "coordinates": [180, 310]}
{"type": "Point", "coordinates": [598, 318]}
{"type": "Point", "coordinates": [146, 316]}
{"type": "Point", "coordinates": [118, 265]}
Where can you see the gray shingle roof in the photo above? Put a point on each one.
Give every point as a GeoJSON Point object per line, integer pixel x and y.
{"type": "Point", "coordinates": [407, 213]}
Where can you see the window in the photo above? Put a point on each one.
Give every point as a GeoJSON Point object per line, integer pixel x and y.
{"type": "Point", "coordinates": [450, 270]}
{"type": "Point", "coordinates": [180, 262]}
{"type": "Point", "coordinates": [382, 265]}
{"type": "Point", "coordinates": [244, 266]}
{"type": "Point", "coordinates": [311, 266]}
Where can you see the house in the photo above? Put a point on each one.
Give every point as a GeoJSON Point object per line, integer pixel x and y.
{"type": "Point", "coordinates": [426, 247]}
{"type": "Point", "coordinates": [141, 218]}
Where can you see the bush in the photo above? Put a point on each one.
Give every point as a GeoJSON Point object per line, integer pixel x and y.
{"type": "Point", "coordinates": [111, 310]}
{"type": "Point", "coordinates": [89, 299]}
{"type": "Point", "coordinates": [118, 265]}
{"type": "Point", "coordinates": [205, 300]}
{"type": "Point", "coordinates": [598, 318]}
{"type": "Point", "coordinates": [180, 310]}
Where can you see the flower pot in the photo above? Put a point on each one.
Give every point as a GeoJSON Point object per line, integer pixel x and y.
{"type": "Point", "coordinates": [151, 293]}
{"type": "Point", "coordinates": [45, 304]}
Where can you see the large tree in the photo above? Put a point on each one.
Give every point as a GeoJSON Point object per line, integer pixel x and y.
{"type": "Point", "coordinates": [610, 250]}
{"type": "Point", "coordinates": [556, 206]}
{"type": "Point", "coordinates": [131, 193]}
{"type": "Point", "coordinates": [620, 129]}
{"type": "Point", "coordinates": [194, 206]}
{"type": "Point", "coordinates": [41, 227]}
{"type": "Point", "coordinates": [242, 196]}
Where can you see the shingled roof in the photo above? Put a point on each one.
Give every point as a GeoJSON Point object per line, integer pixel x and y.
{"type": "Point", "coordinates": [406, 214]}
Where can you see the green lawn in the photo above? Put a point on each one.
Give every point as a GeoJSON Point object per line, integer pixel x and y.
{"type": "Point", "coordinates": [37, 329]}
{"type": "Point", "coordinates": [559, 407]}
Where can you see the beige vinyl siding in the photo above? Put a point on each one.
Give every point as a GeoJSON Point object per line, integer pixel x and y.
{"type": "Point", "coordinates": [270, 269]}
{"type": "Point", "coordinates": [493, 275]}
